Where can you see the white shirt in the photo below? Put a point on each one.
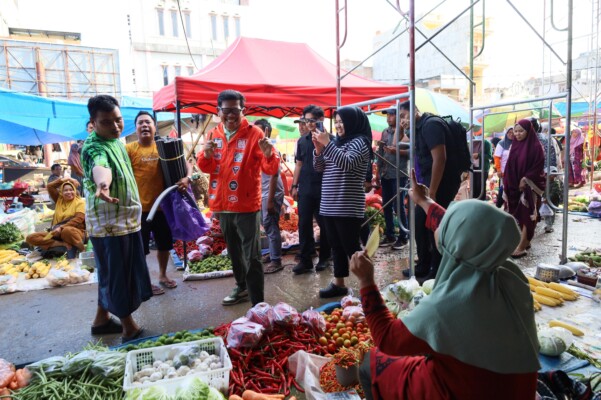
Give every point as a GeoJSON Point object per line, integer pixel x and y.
{"type": "Point", "coordinates": [503, 154]}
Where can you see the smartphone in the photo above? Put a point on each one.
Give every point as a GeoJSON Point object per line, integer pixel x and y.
{"type": "Point", "coordinates": [319, 126]}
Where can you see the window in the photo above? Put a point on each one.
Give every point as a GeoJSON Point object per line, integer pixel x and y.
{"type": "Point", "coordinates": [214, 26]}
{"type": "Point", "coordinates": [226, 27]}
{"type": "Point", "coordinates": [165, 75]}
{"type": "Point", "coordinates": [174, 22]}
{"type": "Point", "coordinates": [178, 70]}
{"type": "Point", "coordinates": [161, 22]}
{"type": "Point", "coordinates": [237, 22]}
{"type": "Point", "coordinates": [190, 70]}
{"type": "Point", "coordinates": [188, 25]}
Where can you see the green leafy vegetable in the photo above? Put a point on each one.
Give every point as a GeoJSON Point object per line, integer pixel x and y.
{"type": "Point", "coordinates": [9, 233]}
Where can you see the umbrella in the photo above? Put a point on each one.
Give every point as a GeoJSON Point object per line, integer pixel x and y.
{"type": "Point", "coordinates": [431, 102]}
{"type": "Point", "coordinates": [13, 133]}
{"type": "Point", "coordinates": [510, 117]}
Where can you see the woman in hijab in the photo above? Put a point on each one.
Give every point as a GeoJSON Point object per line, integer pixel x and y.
{"type": "Point", "coordinates": [344, 162]}
{"type": "Point", "coordinates": [576, 156]}
{"type": "Point", "coordinates": [524, 182]}
{"type": "Point", "coordinates": [68, 227]}
{"type": "Point", "coordinates": [74, 161]}
{"type": "Point", "coordinates": [500, 157]}
{"type": "Point", "coordinates": [474, 336]}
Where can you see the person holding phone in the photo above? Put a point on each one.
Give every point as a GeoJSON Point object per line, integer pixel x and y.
{"type": "Point", "coordinates": [344, 163]}
{"type": "Point", "coordinates": [306, 190]}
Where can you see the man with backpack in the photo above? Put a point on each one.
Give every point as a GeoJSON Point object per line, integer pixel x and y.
{"type": "Point", "coordinates": [441, 156]}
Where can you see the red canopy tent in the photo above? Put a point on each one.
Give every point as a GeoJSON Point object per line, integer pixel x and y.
{"type": "Point", "coordinates": [277, 78]}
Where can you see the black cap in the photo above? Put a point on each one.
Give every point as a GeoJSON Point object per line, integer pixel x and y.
{"type": "Point", "coordinates": [391, 110]}
{"type": "Point", "coordinates": [298, 121]}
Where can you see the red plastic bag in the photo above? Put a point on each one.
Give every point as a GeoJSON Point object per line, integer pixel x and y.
{"type": "Point", "coordinates": [263, 315]}
{"type": "Point", "coordinates": [244, 333]}
{"type": "Point", "coordinates": [285, 314]}
{"type": "Point", "coordinates": [314, 320]}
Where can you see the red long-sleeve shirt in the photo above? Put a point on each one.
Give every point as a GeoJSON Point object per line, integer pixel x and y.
{"type": "Point", "coordinates": [426, 374]}
{"type": "Point", "coordinates": [235, 168]}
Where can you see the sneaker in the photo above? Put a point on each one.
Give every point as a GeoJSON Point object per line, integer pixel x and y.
{"type": "Point", "coordinates": [333, 291]}
{"type": "Point", "coordinates": [238, 295]}
{"type": "Point", "coordinates": [302, 268]}
{"type": "Point", "coordinates": [400, 244]}
{"type": "Point", "coordinates": [386, 241]}
{"type": "Point", "coordinates": [549, 229]}
{"type": "Point", "coordinates": [321, 265]}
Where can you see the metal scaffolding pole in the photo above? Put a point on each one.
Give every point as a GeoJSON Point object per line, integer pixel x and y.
{"type": "Point", "coordinates": [411, 129]}
{"type": "Point", "coordinates": [564, 233]}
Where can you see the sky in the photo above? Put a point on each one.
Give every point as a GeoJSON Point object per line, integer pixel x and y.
{"type": "Point", "coordinates": [513, 51]}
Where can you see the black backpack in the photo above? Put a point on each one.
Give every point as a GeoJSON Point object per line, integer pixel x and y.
{"type": "Point", "coordinates": [458, 151]}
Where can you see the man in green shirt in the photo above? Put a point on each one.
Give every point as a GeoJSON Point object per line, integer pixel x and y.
{"type": "Point", "coordinates": [113, 214]}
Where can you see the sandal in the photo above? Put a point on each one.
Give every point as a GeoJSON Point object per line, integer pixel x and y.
{"type": "Point", "coordinates": [273, 267]}
{"type": "Point", "coordinates": [169, 284]}
{"type": "Point", "coordinates": [157, 291]}
{"type": "Point", "coordinates": [132, 337]}
{"type": "Point", "coordinates": [111, 326]}
{"type": "Point", "coordinates": [521, 254]}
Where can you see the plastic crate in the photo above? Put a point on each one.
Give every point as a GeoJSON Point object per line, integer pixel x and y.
{"type": "Point", "coordinates": [218, 378]}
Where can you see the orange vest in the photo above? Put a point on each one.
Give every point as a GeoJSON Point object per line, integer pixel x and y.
{"type": "Point", "coordinates": [235, 169]}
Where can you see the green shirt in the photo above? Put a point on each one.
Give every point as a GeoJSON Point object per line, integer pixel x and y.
{"type": "Point", "coordinates": [106, 219]}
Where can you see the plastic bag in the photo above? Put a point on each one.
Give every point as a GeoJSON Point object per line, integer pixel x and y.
{"type": "Point", "coordinates": [417, 297]}
{"type": "Point", "coordinates": [51, 366]}
{"type": "Point", "coordinates": [7, 373]}
{"type": "Point", "coordinates": [545, 210]}
{"type": "Point", "coordinates": [184, 355]}
{"type": "Point", "coordinates": [263, 315]}
{"type": "Point", "coordinates": [305, 368]}
{"type": "Point", "coordinates": [315, 320]}
{"type": "Point", "coordinates": [285, 314]}
{"type": "Point", "coordinates": [349, 301]}
{"type": "Point", "coordinates": [244, 333]}
{"type": "Point", "coordinates": [78, 276]}
{"type": "Point", "coordinates": [402, 292]}
{"type": "Point", "coordinates": [184, 217]}
{"type": "Point", "coordinates": [355, 312]}
{"type": "Point", "coordinates": [109, 364]}
{"type": "Point", "coordinates": [194, 255]}
{"type": "Point", "coordinates": [79, 362]}
{"type": "Point", "coordinates": [204, 240]}
{"type": "Point", "coordinates": [57, 277]}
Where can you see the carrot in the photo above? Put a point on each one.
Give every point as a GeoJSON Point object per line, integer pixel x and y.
{"type": "Point", "coordinates": [252, 395]}
{"type": "Point", "coordinates": [23, 376]}
{"type": "Point", "coordinates": [7, 373]}
{"type": "Point", "coordinates": [13, 385]}
{"type": "Point", "coordinates": [235, 397]}
{"type": "Point", "coordinates": [4, 392]}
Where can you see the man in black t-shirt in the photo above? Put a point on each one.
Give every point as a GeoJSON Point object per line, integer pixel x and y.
{"type": "Point", "coordinates": [306, 190]}
{"type": "Point", "coordinates": [434, 170]}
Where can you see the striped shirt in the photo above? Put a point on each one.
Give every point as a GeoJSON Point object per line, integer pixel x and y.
{"type": "Point", "coordinates": [344, 168]}
{"type": "Point", "coordinates": [105, 219]}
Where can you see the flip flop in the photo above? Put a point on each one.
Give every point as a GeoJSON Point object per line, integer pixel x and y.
{"type": "Point", "coordinates": [519, 255]}
{"type": "Point", "coordinates": [157, 291]}
{"type": "Point", "coordinates": [170, 284]}
{"type": "Point", "coordinates": [109, 327]}
{"type": "Point", "coordinates": [132, 337]}
{"type": "Point", "coordinates": [272, 268]}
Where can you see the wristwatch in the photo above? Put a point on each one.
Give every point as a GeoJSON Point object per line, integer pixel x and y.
{"type": "Point", "coordinates": [194, 177]}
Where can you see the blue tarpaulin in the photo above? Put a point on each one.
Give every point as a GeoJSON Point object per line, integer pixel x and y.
{"type": "Point", "coordinates": [27, 120]}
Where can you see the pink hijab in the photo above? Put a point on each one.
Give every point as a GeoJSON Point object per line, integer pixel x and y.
{"type": "Point", "coordinates": [576, 141]}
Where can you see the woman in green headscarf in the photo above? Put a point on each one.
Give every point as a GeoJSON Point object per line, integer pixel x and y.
{"type": "Point", "coordinates": [474, 336]}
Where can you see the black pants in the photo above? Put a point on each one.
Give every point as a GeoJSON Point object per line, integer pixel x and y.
{"type": "Point", "coordinates": [344, 233]}
{"type": "Point", "coordinates": [365, 376]}
{"type": "Point", "coordinates": [429, 257]}
{"type": "Point", "coordinates": [308, 207]}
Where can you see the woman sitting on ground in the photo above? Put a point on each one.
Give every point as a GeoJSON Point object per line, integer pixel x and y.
{"type": "Point", "coordinates": [68, 227]}
{"type": "Point", "coordinates": [474, 336]}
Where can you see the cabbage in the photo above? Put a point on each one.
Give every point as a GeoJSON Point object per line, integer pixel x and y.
{"type": "Point", "coordinates": [428, 285]}
{"type": "Point", "coordinates": [154, 393]}
{"type": "Point", "coordinates": [393, 307]}
{"type": "Point", "coordinates": [402, 292]}
{"type": "Point", "coordinates": [417, 297]}
{"type": "Point", "coordinates": [554, 341]}
{"type": "Point", "coordinates": [215, 394]}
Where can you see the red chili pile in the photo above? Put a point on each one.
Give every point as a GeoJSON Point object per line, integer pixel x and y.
{"type": "Point", "coordinates": [289, 222]}
{"type": "Point", "coordinates": [216, 248]}
{"type": "Point", "coordinates": [264, 368]}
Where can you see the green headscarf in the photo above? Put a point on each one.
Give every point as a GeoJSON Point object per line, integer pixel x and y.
{"type": "Point", "coordinates": [480, 310]}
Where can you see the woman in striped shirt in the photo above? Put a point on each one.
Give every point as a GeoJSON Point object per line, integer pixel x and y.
{"type": "Point", "coordinates": [344, 162]}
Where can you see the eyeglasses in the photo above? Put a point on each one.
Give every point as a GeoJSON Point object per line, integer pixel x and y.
{"type": "Point", "coordinates": [310, 120]}
{"type": "Point", "coordinates": [226, 111]}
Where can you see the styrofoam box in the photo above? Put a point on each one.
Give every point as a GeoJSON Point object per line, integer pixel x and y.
{"type": "Point", "coordinates": [218, 378]}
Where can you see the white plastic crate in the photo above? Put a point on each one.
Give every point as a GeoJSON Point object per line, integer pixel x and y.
{"type": "Point", "coordinates": [218, 378]}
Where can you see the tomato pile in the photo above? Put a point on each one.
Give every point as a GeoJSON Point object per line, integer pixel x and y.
{"type": "Point", "coordinates": [343, 332]}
